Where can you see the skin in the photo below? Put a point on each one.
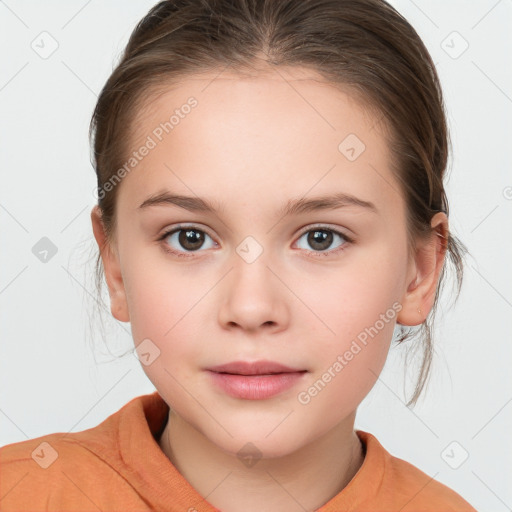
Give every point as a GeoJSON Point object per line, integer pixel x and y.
{"type": "Point", "coordinates": [252, 144]}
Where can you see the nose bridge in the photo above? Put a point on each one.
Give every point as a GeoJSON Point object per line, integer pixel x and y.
{"type": "Point", "coordinates": [250, 250]}
{"type": "Point", "coordinates": [252, 296]}
{"type": "Point", "coordinates": [250, 272]}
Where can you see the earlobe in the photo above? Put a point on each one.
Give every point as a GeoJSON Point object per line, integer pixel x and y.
{"type": "Point", "coordinates": [111, 266]}
{"type": "Point", "coordinates": [424, 273]}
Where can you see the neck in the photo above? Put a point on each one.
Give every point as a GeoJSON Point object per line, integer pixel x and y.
{"type": "Point", "coordinates": [303, 480]}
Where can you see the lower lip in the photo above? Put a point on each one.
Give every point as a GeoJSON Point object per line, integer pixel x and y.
{"type": "Point", "coordinates": [256, 387]}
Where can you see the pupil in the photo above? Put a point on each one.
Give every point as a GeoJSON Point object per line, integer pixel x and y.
{"type": "Point", "coordinates": [191, 239]}
{"type": "Point", "coordinates": [320, 237]}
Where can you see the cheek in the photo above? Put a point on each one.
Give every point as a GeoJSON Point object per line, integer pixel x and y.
{"type": "Point", "coordinates": [358, 309]}
{"type": "Point", "coordinates": [349, 362]}
{"type": "Point", "coordinates": [353, 297]}
{"type": "Point", "coordinates": [164, 304]}
{"type": "Point", "coordinates": [164, 311]}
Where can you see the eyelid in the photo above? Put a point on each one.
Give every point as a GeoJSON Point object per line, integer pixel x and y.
{"type": "Point", "coordinates": [326, 227]}
{"type": "Point", "coordinates": [167, 232]}
{"type": "Point", "coordinates": [177, 227]}
{"type": "Point", "coordinates": [349, 239]}
{"type": "Point", "coordinates": [305, 229]}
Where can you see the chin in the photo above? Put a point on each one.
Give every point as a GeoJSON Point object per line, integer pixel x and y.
{"type": "Point", "coordinates": [250, 452]}
{"type": "Point", "coordinates": [251, 442]}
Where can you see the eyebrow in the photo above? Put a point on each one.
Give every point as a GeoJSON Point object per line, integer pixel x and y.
{"type": "Point", "coordinates": [292, 207]}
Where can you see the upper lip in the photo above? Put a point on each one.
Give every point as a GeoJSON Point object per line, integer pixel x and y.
{"type": "Point", "coordinates": [253, 368]}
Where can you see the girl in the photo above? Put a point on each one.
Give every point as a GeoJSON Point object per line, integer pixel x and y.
{"type": "Point", "coordinates": [270, 208]}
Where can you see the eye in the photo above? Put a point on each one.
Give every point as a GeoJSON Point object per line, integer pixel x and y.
{"type": "Point", "coordinates": [185, 239]}
{"type": "Point", "coordinates": [189, 239]}
{"type": "Point", "coordinates": [321, 238]}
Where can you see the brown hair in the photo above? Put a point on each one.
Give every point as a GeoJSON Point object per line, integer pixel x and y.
{"type": "Point", "coordinates": [365, 46]}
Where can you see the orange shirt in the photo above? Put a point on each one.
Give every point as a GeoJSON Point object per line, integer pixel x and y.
{"type": "Point", "coordinates": [119, 466]}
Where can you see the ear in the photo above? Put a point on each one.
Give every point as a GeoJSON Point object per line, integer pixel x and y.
{"type": "Point", "coordinates": [113, 276]}
{"type": "Point", "coordinates": [423, 275]}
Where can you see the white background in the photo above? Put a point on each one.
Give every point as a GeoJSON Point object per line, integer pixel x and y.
{"type": "Point", "coordinates": [56, 375]}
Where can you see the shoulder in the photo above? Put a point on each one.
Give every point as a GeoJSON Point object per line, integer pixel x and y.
{"type": "Point", "coordinates": [38, 472]}
{"type": "Point", "coordinates": [424, 492]}
{"type": "Point", "coordinates": [410, 489]}
{"type": "Point", "coordinates": [44, 452]}
{"type": "Point", "coordinates": [32, 471]}
{"type": "Point", "coordinates": [67, 471]}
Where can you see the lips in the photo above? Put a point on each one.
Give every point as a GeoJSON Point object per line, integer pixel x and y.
{"type": "Point", "coordinates": [254, 368]}
{"type": "Point", "coordinates": [258, 380]}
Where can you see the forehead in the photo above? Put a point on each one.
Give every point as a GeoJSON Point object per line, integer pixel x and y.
{"type": "Point", "coordinates": [286, 90]}
{"type": "Point", "coordinates": [282, 129]}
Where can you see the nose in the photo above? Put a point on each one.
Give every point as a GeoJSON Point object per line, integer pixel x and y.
{"type": "Point", "coordinates": [253, 298]}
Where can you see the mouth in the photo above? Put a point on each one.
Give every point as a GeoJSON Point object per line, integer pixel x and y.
{"type": "Point", "coordinates": [254, 368]}
{"type": "Point", "coordinates": [255, 381]}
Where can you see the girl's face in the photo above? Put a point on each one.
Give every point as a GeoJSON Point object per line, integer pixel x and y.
{"type": "Point", "coordinates": [292, 250]}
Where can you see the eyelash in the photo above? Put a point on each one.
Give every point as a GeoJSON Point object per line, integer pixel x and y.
{"type": "Point", "coordinates": [189, 254]}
